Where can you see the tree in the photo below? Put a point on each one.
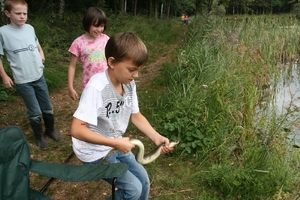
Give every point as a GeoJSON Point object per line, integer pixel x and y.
{"type": "Point", "coordinates": [159, 8]}
{"type": "Point", "coordinates": [149, 8]}
{"type": "Point", "coordinates": [122, 6]}
{"type": "Point", "coordinates": [61, 7]}
{"type": "Point", "coordinates": [134, 7]}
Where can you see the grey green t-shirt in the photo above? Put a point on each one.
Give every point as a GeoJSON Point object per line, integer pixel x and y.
{"type": "Point", "coordinates": [19, 44]}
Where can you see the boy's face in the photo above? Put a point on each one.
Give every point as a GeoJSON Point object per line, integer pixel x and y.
{"type": "Point", "coordinates": [17, 15]}
{"type": "Point", "coordinates": [124, 72]}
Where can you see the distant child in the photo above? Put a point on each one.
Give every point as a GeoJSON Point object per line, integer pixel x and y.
{"type": "Point", "coordinates": [26, 58]}
{"type": "Point", "coordinates": [186, 19]}
{"type": "Point", "coordinates": [182, 18]}
{"type": "Point", "coordinates": [89, 48]}
{"type": "Point", "coordinates": [108, 102]}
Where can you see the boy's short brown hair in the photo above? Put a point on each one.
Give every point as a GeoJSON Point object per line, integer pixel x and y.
{"type": "Point", "coordinates": [126, 46]}
{"type": "Point", "coordinates": [8, 4]}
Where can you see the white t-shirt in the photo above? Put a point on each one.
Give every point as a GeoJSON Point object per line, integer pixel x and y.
{"type": "Point", "coordinates": [106, 112]}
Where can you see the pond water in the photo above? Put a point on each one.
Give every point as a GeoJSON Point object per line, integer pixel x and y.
{"type": "Point", "coordinates": [287, 99]}
{"type": "Point", "coordinates": [287, 93]}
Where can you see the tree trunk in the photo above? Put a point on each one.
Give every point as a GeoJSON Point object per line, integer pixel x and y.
{"type": "Point", "coordinates": [168, 9]}
{"type": "Point", "coordinates": [121, 6]}
{"type": "Point", "coordinates": [125, 6]}
{"type": "Point", "coordinates": [134, 7]}
{"type": "Point", "coordinates": [161, 10]}
{"type": "Point", "coordinates": [156, 9]}
{"type": "Point", "coordinates": [61, 7]}
{"type": "Point", "coordinates": [149, 9]}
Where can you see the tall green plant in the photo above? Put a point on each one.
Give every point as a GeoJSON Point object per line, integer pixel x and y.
{"type": "Point", "coordinates": [215, 93]}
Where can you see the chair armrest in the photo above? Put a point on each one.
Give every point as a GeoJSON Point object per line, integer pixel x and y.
{"type": "Point", "coordinates": [77, 173]}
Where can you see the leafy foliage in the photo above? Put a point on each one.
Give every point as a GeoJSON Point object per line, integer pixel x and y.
{"type": "Point", "coordinates": [296, 10]}
{"type": "Point", "coordinates": [212, 107]}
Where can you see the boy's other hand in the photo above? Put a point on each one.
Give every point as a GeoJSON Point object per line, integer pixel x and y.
{"type": "Point", "coordinates": [166, 142]}
{"type": "Point", "coordinates": [8, 83]}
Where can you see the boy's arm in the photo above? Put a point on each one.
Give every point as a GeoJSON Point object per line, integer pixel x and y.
{"type": "Point", "coordinates": [81, 132]}
{"type": "Point", "coordinates": [41, 52]}
{"type": "Point", "coordinates": [143, 125]}
{"type": "Point", "coordinates": [5, 78]}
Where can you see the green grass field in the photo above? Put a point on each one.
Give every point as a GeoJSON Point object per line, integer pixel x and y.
{"type": "Point", "coordinates": [207, 92]}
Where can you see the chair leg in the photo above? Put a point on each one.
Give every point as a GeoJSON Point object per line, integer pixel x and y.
{"type": "Point", "coordinates": [113, 188]}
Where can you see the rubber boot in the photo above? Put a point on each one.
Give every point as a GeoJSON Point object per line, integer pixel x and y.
{"type": "Point", "coordinates": [39, 138]}
{"type": "Point", "coordinates": [49, 124]}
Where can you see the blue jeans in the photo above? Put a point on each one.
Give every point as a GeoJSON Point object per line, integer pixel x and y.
{"type": "Point", "coordinates": [135, 184]}
{"type": "Point", "coordinates": [37, 100]}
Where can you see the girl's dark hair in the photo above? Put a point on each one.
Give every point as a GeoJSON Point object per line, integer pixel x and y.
{"type": "Point", "coordinates": [94, 16]}
{"type": "Point", "coordinates": [126, 46]}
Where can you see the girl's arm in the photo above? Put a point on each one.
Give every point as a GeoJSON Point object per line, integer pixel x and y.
{"type": "Point", "coordinates": [71, 74]}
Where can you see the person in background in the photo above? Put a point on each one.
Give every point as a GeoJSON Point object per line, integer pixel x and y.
{"type": "Point", "coordinates": [108, 102]}
{"type": "Point", "coordinates": [182, 18]}
{"type": "Point", "coordinates": [89, 48]}
{"type": "Point", "coordinates": [26, 58]}
{"type": "Point", "coordinates": [186, 19]}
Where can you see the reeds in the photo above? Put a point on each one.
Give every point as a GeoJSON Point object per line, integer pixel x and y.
{"type": "Point", "coordinates": [214, 104]}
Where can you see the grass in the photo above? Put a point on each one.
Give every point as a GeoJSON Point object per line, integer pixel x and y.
{"type": "Point", "coordinates": [206, 95]}
{"type": "Point", "coordinates": [241, 150]}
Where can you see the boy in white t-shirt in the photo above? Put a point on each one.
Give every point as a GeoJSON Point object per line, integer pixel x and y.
{"type": "Point", "coordinates": [108, 102]}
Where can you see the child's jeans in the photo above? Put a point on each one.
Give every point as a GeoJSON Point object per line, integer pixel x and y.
{"type": "Point", "coordinates": [36, 97]}
{"type": "Point", "coordinates": [135, 184]}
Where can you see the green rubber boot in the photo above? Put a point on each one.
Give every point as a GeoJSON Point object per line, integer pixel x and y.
{"type": "Point", "coordinates": [39, 138]}
{"type": "Point", "coordinates": [49, 125]}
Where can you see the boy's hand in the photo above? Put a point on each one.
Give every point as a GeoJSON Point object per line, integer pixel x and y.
{"type": "Point", "coordinates": [166, 142]}
{"type": "Point", "coordinates": [8, 83]}
{"type": "Point", "coordinates": [124, 145]}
